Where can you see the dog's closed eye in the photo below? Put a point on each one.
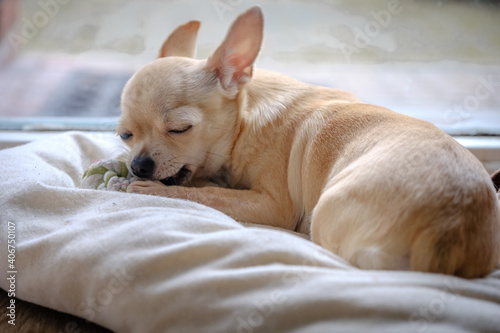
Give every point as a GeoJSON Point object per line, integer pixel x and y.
{"type": "Point", "coordinates": [181, 130]}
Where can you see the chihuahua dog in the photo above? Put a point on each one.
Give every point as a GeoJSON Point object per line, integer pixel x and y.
{"type": "Point", "coordinates": [380, 189]}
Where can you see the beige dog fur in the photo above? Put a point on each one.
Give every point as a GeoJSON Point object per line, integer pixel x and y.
{"type": "Point", "coordinates": [382, 190]}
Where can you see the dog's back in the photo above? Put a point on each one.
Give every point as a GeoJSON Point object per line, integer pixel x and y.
{"type": "Point", "coordinates": [406, 195]}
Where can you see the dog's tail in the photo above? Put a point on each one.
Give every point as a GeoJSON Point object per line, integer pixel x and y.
{"type": "Point", "coordinates": [468, 249]}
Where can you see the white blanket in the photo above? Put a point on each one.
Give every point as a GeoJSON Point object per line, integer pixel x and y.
{"type": "Point", "coordinates": [135, 263]}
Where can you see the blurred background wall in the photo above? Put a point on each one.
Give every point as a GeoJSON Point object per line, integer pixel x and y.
{"type": "Point", "coordinates": [435, 60]}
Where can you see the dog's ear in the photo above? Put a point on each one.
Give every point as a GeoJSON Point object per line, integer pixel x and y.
{"type": "Point", "coordinates": [495, 177]}
{"type": "Point", "coordinates": [233, 60]}
{"type": "Point", "coordinates": [181, 42]}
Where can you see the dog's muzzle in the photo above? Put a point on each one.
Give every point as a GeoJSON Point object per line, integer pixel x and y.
{"type": "Point", "coordinates": [144, 166]}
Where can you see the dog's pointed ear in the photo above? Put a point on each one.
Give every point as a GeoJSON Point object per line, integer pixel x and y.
{"type": "Point", "coordinates": [495, 178]}
{"type": "Point", "coordinates": [233, 60]}
{"type": "Point", "coordinates": [181, 42]}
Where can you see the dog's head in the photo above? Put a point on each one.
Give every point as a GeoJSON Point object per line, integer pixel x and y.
{"type": "Point", "coordinates": [180, 116]}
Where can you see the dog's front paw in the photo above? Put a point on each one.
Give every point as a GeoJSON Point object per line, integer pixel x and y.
{"type": "Point", "coordinates": [147, 187]}
{"type": "Point", "coordinates": [157, 188]}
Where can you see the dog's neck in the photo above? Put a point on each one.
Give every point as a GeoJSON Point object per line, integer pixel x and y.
{"type": "Point", "coordinates": [262, 102]}
{"type": "Point", "coordinates": [266, 97]}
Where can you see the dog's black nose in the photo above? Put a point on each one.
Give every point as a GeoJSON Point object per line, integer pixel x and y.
{"type": "Point", "coordinates": [143, 167]}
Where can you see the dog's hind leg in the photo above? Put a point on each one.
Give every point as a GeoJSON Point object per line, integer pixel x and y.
{"type": "Point", "coordinates": [378, 220]}
{"type": "Point", "coordinates": [353, 224]}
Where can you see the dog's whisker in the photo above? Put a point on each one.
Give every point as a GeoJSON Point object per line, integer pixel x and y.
{"type": "Point", "coordinates": [215, 154]}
